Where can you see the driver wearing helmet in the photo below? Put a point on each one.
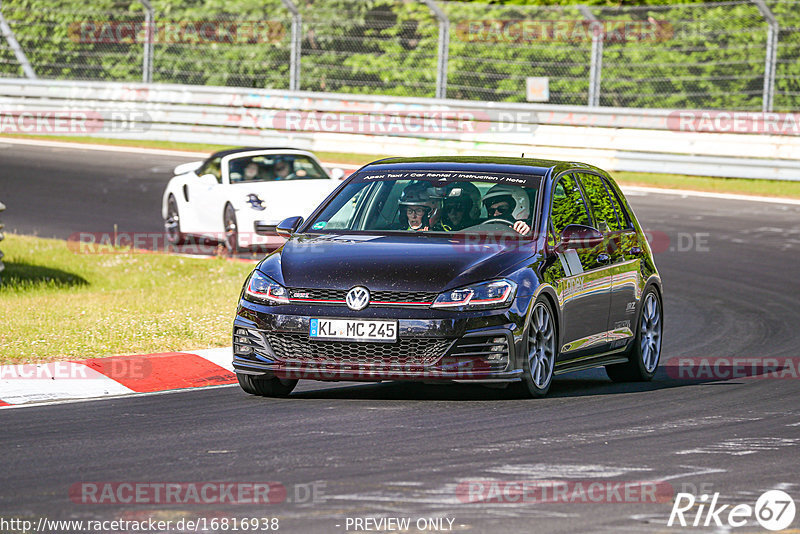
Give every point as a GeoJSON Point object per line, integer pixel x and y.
{"type": "Point", "coordinates": [509, 203]}
{"type": "Point", "coordinates": [461, 206]}
{"type": "Point", "coordinates": [419, 208]}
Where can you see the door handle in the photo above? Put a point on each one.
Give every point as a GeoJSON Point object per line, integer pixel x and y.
{"type": "Point", "coordinates": [635, 251]}
{"type": "Point", "coordinates": [603, 258]}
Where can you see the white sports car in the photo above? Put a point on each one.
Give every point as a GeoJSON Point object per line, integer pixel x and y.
{"type": "Point", "coordinates": [236, 193]}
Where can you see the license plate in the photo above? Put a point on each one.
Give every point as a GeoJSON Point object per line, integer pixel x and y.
{"type": "Point", "coordinates": [353, 330]}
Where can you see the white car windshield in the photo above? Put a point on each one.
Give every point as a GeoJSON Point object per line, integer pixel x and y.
{"type": "Point", "coordinates": [430, 201]}
{"type": "Point", "coordinates": [274, 167]}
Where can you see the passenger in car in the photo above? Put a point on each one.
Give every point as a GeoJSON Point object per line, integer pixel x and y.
{"type": "Point", "coordinates": [419, 210]}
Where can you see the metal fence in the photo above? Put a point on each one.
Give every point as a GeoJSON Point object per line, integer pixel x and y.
{"type": "Point", "coordinates": [737, 54]}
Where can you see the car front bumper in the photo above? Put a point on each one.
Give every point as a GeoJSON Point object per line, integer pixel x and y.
{"type": "Point", "coordinates": [432, 345]}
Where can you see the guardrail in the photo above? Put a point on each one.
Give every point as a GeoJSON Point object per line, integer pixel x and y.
{"type": "Point", "coordinates": [2, 236]}
{"type": "Point", "coordinates": [621, 139]}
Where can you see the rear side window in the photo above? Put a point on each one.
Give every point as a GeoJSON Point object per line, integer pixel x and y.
{"type": "Point", "coordinates": [622, 212]}
{"type": "Point", "coordinates": [603, 208]}
{"type": "Point", "coordinates": [568, 205]}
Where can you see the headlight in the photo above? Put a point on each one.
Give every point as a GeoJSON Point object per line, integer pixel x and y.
{"type": "Point", "coordinates": [255, 202]}
{"type": "Point", "coordinates": [487, 295]}
{"type": "Point", "coordinates": [264, 289]}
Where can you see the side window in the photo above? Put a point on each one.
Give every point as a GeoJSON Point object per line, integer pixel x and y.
{"type": "Point", "coordinates": [211, 166]}
{"type": "Point", "coordinates": [568, 205]}
{"type": "Point", "coordinates": [622, 212]}
{"type": "Point", "coordinates": [605, 214]}
{"type": "Point", "coordinates": [344, 217]}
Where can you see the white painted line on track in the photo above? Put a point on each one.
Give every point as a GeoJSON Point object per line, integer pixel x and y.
{"type": "Point", "coordinates": [106, 148]}
{"type": "Point", "coordinates": [131, 395]}
{"type": "Point", "coordinates": [222, 356]}
{"type": "Point", "coordinates": [81, 382]}
{"type": "Point", "coordinates": [129, 149]}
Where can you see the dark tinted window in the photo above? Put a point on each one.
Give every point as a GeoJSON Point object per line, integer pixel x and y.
{"type": "Point", "coordinates": [568, 205]}
{"type": "Point", "coordinates": [274, 167]}
{"type": "Point", "coordinates": [622, 212]}
{"type": "Point", "coordinates": [419, 200]}
{"type": "Point", "coordinates": [211, 166]}
{"type": "Point", "coordinates": [603, 209]}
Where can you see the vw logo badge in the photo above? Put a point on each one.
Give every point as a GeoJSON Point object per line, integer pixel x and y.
{"type": "Point", "coordinates": [357, 298]}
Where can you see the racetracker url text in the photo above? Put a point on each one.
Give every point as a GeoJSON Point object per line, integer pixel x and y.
{"type": "Point", "coordinates": [149, 525]}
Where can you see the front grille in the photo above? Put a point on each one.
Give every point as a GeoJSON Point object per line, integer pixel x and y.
{"type": "Point", "coordinates": [247, 342]}
{"type": "Point", "coordinates": [478, 354]}
{"type": "Point", "coordinates": [376, 298]}
{"type": "Point", "coordinates": [317, 294]}
{"type": "Point", "coordinates": [405, 353]}
{"type": "Point", "coordinates": [481, 346]}
{"type": "Point", "coordinates": [415, 297]}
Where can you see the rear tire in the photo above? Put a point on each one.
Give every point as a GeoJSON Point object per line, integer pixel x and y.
{"type": "Point", "coordinates": [265, 387]}
{"type": "Point", "coordinates": [645, 353]}
{"type": "Point", "coordinates": [542, 342]}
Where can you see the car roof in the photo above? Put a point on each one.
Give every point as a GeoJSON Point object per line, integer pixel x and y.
{"type": "Point", "coordinates": [539, 167]}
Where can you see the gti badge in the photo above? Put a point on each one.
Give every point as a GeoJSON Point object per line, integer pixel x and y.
{"type": "Point", "coordinates": [357, 298]}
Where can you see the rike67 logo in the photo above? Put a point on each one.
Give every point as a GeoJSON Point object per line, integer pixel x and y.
{"type": "Point", "coordinates": [774, 510]}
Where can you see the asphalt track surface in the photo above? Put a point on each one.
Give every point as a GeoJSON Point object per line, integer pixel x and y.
{"type": "Point", "coordinates": [395, 450]}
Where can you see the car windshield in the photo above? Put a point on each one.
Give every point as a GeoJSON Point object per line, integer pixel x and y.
{"type": "Point", "coordinates": [432, 202]}
{"type": "Point", "coordinates": [274, 167]}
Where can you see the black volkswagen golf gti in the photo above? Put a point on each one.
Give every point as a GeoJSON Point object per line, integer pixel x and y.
{"type": "Point", "coordinates": [485, 270]}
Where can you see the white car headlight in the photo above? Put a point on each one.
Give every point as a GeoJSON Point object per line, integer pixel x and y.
{"type": "Point", "coordinates": [263, 288]}
{"type": "Point", "coordinates": [486, 295]}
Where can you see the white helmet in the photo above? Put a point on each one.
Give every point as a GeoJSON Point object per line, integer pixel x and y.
{"type": "Point", "coordinates": [514, 195]}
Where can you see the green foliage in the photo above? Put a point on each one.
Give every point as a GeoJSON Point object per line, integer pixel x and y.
{"type": "Point", "coordinates": [703, 56]}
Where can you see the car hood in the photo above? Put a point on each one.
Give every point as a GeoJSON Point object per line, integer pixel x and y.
{"type": "Point", "coordinates": [390, 263]}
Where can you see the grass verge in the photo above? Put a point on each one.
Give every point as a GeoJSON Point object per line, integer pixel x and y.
{"type": "Point", "coordinates": [60, 305]}
{"type": "Point", "coordinates": [768, 188]}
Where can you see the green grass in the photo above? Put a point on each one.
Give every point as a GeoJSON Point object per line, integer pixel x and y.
{"type": "Point", "coordinates": [769, 188]}
{"type": "Point", "coordinates": [57, 304]}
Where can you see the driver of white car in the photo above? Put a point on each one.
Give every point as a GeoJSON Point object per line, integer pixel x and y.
{"type": "Point", "coordinates": [510, 203]}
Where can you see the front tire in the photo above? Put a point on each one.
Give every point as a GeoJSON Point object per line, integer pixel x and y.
{"type": "Point", "coordinates": [265, 387]}
{"type": "Point", "coordinates": [541, 345]}
{"type": "Point", "coordinates": [231, 229]}
{"type": "Point", "coordinates": [172, 224]}
{"type": "Point", "coordinates": [644, 355]}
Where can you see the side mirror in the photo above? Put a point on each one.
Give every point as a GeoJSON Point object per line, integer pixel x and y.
{"type": "Point", "coordinates": [337, 174]}
{"type": "Point", "coordinates": [288, 226]}
{"type": "Point", "coordinates": [578, 236]}
{"type": "Point", "coordinates": [183, 168]}
{"type": "Point", "coordinates": [208, 179]}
